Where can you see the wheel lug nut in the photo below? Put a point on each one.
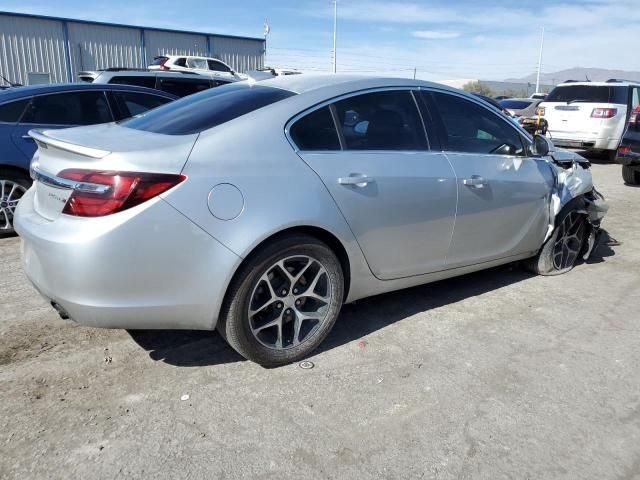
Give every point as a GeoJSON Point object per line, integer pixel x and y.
{"type": "Point", "coordinates": [295, 290]}
{"type": "Point", "coordinates": [284, 292]}
{"type": "Point", "coordinates": [298, 302]}
{"type": "Point", "coordinates": [279, 304]}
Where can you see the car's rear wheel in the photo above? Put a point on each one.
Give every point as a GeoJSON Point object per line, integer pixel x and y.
{"type": "Point", "coordinates": [631, 175]}
{"type": "Point", "coordinates": [562, 250]}
{"type": "Point", "coordinates": [12, 187]}
{"type": "Point", "coordinates": [284, 301]}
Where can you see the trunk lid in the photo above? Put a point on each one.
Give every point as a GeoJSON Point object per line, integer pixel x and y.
{"type": "Point", "coordinates": [109, 147]}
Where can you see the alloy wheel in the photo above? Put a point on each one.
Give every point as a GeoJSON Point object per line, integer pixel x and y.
{"type": "Point", "coordinates": [10, 194]}
{"type": "Point", "coordinates": [569, 241]}
{"type": "Point", "coordinates": [289, 302]}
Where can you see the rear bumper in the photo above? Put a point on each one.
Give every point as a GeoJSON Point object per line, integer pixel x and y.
{"type": "Point", "coordinates": [628, 159]}
{"type": "Point", "coordinates": [561, 139]}
{"type": "Point", "coordinates": [148, 267]}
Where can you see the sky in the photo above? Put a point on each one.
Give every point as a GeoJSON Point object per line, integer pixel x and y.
{"type": "Point", "coordinates": [440, 39]}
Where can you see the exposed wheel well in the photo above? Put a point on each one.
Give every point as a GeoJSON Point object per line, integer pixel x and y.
{"type": "Point", "coordinates": [318, 233]}
{"type": "Point", "coordinates": [14, 170]}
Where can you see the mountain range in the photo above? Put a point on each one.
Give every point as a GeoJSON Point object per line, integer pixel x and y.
{"type": "Point", "coordinates": [578, 73]}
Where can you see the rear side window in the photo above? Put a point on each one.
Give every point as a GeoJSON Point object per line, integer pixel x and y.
{"type": "Point", "coordinates": [381, 121]}
{"type": "Point", "coordinates": [197, 63]}
{"type": "Point", "coordinates": [181, 62]}
{"type": "Point", "coordinates": [159, 60]}
{"type": "Point", "coordinates": [130, 104]}
{"type": "Point", "coordinates": [140, 81]}
{"type": "Point", "coordinates": [589, 94]}
{"type": "Point", "coordinates": [207, 109]}
{"type": "Point", "coordinates": [218, 66]}
{"type": "Point", "coordinates": [470, 128]}
{"type": "Point", "coordinates": [72, 108]}
{"type": "Point", "coordinates": [316, 131]}
{"type": "Point", "coordinates": [11, 112]}
{"type": "Point", "coordinates": [181, 87]}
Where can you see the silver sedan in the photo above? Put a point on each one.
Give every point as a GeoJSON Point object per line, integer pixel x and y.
{"type": "Point", "coordinates": [260, 208]}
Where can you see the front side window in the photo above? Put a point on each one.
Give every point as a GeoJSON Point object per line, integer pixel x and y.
{"type": "Point", "coordinates": [316, 131]}
{"type": "Point", "coordinates": [73, 108]}
{"type": "Point", "coordinates": [139, 81]}
{"type": "Point", "coordinates": [381, 121]}
{"type": "Point", "coordinates": [12, 111]}
{"type": "Point", "coordinates": [207, 109]}
{"type": "Point", "coordinates": [130, 104]}
{"type": "Point", "coordinates": [181, 87]}
{"type": "Point", "coordinates": [218, 66]}
{"type": "Point", "coordinates": [471, 128]}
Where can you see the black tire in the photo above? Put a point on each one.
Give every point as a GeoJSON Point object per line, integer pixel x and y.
{"type": "Point", "coordinates": [550, 260]}
{"type": "Point", "coordinates": [234, 321]}
{"type": "Point", "coordinates": [631, 175]}
{"type": "Point", "coordinates": [6, 211]}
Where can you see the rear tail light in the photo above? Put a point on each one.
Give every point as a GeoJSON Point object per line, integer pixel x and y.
{"type": "Point", "coordinates": [624, 150]}
{"type": "Point", "coordinates": [604, 112]}
{"type": "Point", "coordinates": [633, 118]}
{"type": "Point", "coordinates": [162, 62]}
{"type": "Point", "coordinates": [99, 193]}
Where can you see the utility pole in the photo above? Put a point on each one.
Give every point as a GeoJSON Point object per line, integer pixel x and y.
{"type": "Point", "coordinates": [540, 62]}
{"type": "Point", "coordinates": [414, 73]}
{"type": "Point", "coordinates": [335, 34]}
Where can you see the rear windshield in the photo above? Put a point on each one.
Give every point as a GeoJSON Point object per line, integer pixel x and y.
{"type": "Point", "coordinates": [589, 94]}
{"type": "Point", "coordinates": [204, 110]}
{"type": "Point", "coordinates": [515, 104]}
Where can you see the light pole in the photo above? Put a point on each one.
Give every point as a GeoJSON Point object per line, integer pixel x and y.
{"type": "Point", "coordinates": [539, 62]}
{"type": "Point", "coordinates": [335, 34]}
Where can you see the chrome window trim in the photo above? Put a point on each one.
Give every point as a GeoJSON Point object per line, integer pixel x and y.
{"type": "Point", "coordinates": [331, 101]}
{"type": "Point", "coordinates": [490, 110]}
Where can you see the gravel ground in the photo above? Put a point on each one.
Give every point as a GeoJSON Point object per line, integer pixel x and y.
{"type": "Point", "coordinates": [498, 374]}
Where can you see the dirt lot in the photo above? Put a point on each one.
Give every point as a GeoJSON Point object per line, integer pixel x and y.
{"type": "Point", "coordinates": [498, 374]}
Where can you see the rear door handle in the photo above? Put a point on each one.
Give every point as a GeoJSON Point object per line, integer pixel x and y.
{"type": "Point", "coordinates": [474, 181]}
{"type": "Point", "coordinates": [355, 179]}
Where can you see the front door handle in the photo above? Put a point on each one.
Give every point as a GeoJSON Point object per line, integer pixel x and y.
{"type": "Point", "coordinates": [355, 179]}
{"type": "Point", "coordinates": [27, 137]}
{"type": "Point", "coordinates": [474, 181]}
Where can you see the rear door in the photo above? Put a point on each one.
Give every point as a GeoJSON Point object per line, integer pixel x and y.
{"type": "Point", "coordinates": [60, 110]}
{"type": "Point", "coordinates": [503, 195]}
{"type": "Point", "coordinates": [398, 196]}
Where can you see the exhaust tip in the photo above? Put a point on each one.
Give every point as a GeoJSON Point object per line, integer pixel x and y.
{"type": "Point", "coordinates": [61, 311]}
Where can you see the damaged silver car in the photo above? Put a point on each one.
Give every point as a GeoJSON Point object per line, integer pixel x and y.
{"type": "Point", "coordinates": [260, 208]}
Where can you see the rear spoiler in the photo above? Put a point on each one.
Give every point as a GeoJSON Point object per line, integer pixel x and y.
{"type": "Point", "coordinates": [45, 141]}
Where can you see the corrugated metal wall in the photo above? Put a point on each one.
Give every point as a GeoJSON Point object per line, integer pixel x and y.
{"type": "Point", "coordinates": [94, 47]}
{"type": "Point", "coordinates": [241, 54]}
{"type": "Point", "coordinates": [31, 45]}
{"type": "Point", "coordinates": [170, 43]}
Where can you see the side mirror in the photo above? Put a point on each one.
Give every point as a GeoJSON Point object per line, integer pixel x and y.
{"type": "Point", "coordinates": [542, 146]}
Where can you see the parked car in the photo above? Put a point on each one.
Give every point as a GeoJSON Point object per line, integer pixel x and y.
{"type": "Point", "coordinates": [494, 103]}
{"type": "Point", "coordinates": [538, 96]}
{"type": "Point", "coordinates": [189, 63]}
{"type": "Point", "coordinates": [259, 209]}
{"type": "Point", "coordinates": [526, 111]}
{"type": "Point", "coordinates": [589, 115]}
{"type": "Point", "coordinates": [629, 150]}
{"type": "Point", "coordinates": [180, 84]}
{"type": "Point", "coordinates": [56, 106]}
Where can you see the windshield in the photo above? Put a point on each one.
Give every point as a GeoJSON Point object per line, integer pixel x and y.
{"type": "Point", "coordinates": [515, 104]}
{"type": "Point", "coordinates": [588, 94]}
{"type": "Point", "coordinates": [207, 109]}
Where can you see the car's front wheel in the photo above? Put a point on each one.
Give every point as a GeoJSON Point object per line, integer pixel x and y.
{"type": "Point", "coordinates": [631, 175]}
{"type": "Point", "coordinates": [562, 250]}
{"type": "Point", "coordinates": [12, 187]}
{"type": "Point", "coordinates": [284, 301]}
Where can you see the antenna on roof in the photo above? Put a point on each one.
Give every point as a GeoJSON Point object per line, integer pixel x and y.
{"type": "Point", "coordinates": [585, 76]}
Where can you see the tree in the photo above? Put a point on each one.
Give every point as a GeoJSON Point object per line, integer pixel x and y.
{"type": "Point", "coordinates": [477, 87]}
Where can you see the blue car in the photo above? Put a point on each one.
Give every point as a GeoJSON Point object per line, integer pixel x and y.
{"type": "Point", "coordinates": [56, 106]}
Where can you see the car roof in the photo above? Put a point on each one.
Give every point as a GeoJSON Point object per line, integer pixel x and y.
{"type": "Point", "coordinates": [158, 73]}
{"type": "Point", "coordinates": [16, 93]}
{"type": "Point", "coordinates": [619, 83]}
{"type": "Point", "coordinates": [519, 99]}
{"type": "Point", "coordinates": [344, 83]}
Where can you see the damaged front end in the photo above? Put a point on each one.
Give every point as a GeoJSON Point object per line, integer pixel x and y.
{"type": "Point", "coordinates": [574, 191]}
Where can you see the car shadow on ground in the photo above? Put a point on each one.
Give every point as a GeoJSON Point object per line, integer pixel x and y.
{"type": "Point", "coordinates": [357, 320]}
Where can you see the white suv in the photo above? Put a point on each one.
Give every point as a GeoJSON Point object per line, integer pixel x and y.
{"type": "Point", "coordinates": [187, 63]}
{"type": "Point", "coordinates": [588, 115]}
